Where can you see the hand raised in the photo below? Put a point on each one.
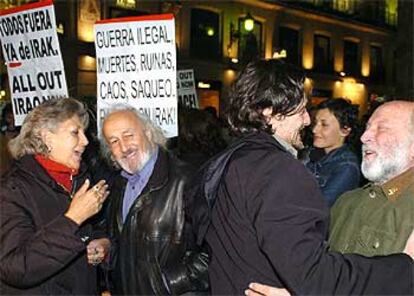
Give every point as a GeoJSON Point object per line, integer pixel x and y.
{"type": "Point", "coordinates": [87, 201]}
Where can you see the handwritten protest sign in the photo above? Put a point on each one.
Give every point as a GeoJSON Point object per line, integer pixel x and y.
{"type": "Point", "coordinates": [32, 54]}
{"type": "Point", "coordinates": [136, 65]}
{"type": "Point", "coordinates": [187, 95]}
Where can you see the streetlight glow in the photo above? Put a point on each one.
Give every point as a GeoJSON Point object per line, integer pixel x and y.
{"type": "Point", "coordinates": [249, 23]}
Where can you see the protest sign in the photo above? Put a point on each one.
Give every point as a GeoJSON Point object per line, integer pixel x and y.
{"type": "Point", "coordinates": [31, 50]}
{"type": "Point", "coordinates": [187, 95]}
{"type": "Point", "coordinates": [136, 65]}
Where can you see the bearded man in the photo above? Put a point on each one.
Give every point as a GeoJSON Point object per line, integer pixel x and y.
{"type": "Point", "coordinates": [261, 212]}
{"type": "Point", "coordinates": [152, 252]}
{"type": "Point", "coordinates": [378, 218]}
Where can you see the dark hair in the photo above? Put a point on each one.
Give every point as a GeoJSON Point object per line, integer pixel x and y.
{"type": "Point", "coordinates": [6, 109]}
{"type": "Point", "coordinates": [344, 111]}
{"type": "Point", "coordinates": [260, 85]}
{"type": "Point", "coordinates": [6, 126]}
{"type": "Point", "coordinates": [200, 131]}
{"type": "Point", "coordinates": [212, 110]}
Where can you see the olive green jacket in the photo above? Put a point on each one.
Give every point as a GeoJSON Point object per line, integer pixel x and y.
{"type": "Point", "coordinates": [374, 220]}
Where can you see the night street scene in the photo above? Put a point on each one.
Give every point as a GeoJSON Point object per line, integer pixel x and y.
{"type": "Point", "coordinates": [243, 147]}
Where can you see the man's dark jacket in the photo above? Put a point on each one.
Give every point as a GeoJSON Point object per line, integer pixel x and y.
{"type": "Point", "coordinates": [264, 219]}
{"type": "Point", "coordinates": [153, 247]}
{"type": "Point", "coordinates": [41, 250]}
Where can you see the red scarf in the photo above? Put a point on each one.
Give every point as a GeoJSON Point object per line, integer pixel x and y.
{"type": "Point", "coordinates": [59, 172]}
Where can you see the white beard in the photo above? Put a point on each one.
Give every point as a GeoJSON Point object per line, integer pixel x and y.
{"type": "Point", "coordinates": [385, 167]}
{"type": "Point", "coordinates": [144, 158]}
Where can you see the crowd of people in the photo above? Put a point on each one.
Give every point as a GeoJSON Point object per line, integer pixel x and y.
{"type": "Point", "coordinates": [207, 213]}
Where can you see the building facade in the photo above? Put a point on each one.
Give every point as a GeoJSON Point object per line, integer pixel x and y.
{"type": "Point", "coordinates": [349, 48]}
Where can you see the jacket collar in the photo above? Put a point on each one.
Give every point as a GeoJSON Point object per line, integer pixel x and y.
{"type": "Point", "coordinates": [342, 152]}
{"type": "Point", "coordinates": [288, 147]}
{"type": "Point", "coordinates": [396, 186]}
{"type": "Point", "coordinates": [30, 166]}
{"type": "Point", "coordinates": [161, 170]}
{"type": "Point", "coordinates": [159, 174]}
{"type": "Point", "coordinates": [263, 139]}
{"type": "Point", "coordinates": [158, 179]}
{"type": "Point", "coordinates": [144, 173]}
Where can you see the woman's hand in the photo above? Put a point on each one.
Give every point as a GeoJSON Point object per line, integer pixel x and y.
{"type": "Point", "coordinates": [97, 250]}
{"type": "Point", "coordinates": [87, 201]}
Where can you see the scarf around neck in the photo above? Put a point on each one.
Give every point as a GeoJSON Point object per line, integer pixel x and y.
{"type": "Point", "coordinates": [59, 172]}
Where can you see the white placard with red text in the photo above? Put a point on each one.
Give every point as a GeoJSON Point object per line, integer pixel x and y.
{"type": "Point", "coordinates": [31, 50]}
{"type": "Point", "coordinates": [136, 65]}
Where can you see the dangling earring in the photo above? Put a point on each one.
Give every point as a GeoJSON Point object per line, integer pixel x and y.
{"type": "Point", "coordinates": [49, 149]}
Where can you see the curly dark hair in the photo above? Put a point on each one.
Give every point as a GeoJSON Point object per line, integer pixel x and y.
{"type": "Point", "coordinates": [344, 111]}
{"type": "Point", "coordinates": [347, 115]}
{"type": "Point", "coordinates": [260, 85]}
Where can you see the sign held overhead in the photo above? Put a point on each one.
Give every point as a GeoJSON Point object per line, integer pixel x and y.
{"type": "Point", "coordinates": [136, 65]}
{"type": "Point", "coordinates": [31, 50]}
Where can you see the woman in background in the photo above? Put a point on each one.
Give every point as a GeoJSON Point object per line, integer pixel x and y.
{"type": "Point", "coordinates": [338, 170]}
{"type": "Point", "coordinates": [45, 202]}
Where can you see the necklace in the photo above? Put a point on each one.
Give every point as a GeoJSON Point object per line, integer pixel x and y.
{"type": "Point", "coordinates": [66, 190]}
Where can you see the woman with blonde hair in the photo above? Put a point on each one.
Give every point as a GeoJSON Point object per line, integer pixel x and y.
{"type": "Point", "coordinates": [46, 200]}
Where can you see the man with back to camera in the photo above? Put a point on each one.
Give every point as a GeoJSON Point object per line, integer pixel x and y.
{"type": "Point", "coordinates": [378, 218]}
{"type": "Point", "coordinates": [152, 252]}
{"type": "Point", "coordinates": [260, 211]}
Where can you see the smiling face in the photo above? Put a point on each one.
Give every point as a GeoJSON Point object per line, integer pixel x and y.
{"type": "Point", "coordinates": [129, 144]}
{"type": "Point", "coordinates": [289, 127]}
{"type": "Point", "coordinates": [388, 142]}
{"type": "Point", "coordinates": [327, 132]}
{"type": "Point", "coordinates": [66, 143]}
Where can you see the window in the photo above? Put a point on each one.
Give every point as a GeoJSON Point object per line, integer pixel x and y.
{"type": "Point", "coordinates": [126, 3]}
{"type": "Point", "coordinates": [351, 59]}
{"type": "Point", "coordinates": [210, 97]}
{"type": "Point", "coordinates": [6, 4]}
{"type": "Point", "coordinates": [250, 43]}
{"type": "Point", "coordinates": [376, 67]}
{"type": "Point", "coordinates": [391, 12]}
{"type": "Point", "coordinates": [289, 41]}
{"type": "Point", "coordinates": [322, 53]}
{"type": "Point", "coordinates": [205, 39]}
{"type": "Point", "coordinates": [347, 6]}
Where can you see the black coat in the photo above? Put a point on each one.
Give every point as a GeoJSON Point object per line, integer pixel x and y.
{"type": "Point", "coordinates": [265, 220]}
{"type": "Point", "coordinates": [153, 241]}
{"type": "Point", "coordinates": [42, 251]}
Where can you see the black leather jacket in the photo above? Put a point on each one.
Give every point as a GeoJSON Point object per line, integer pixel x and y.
{"type": "Point", "coordinates": [152, 250]}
